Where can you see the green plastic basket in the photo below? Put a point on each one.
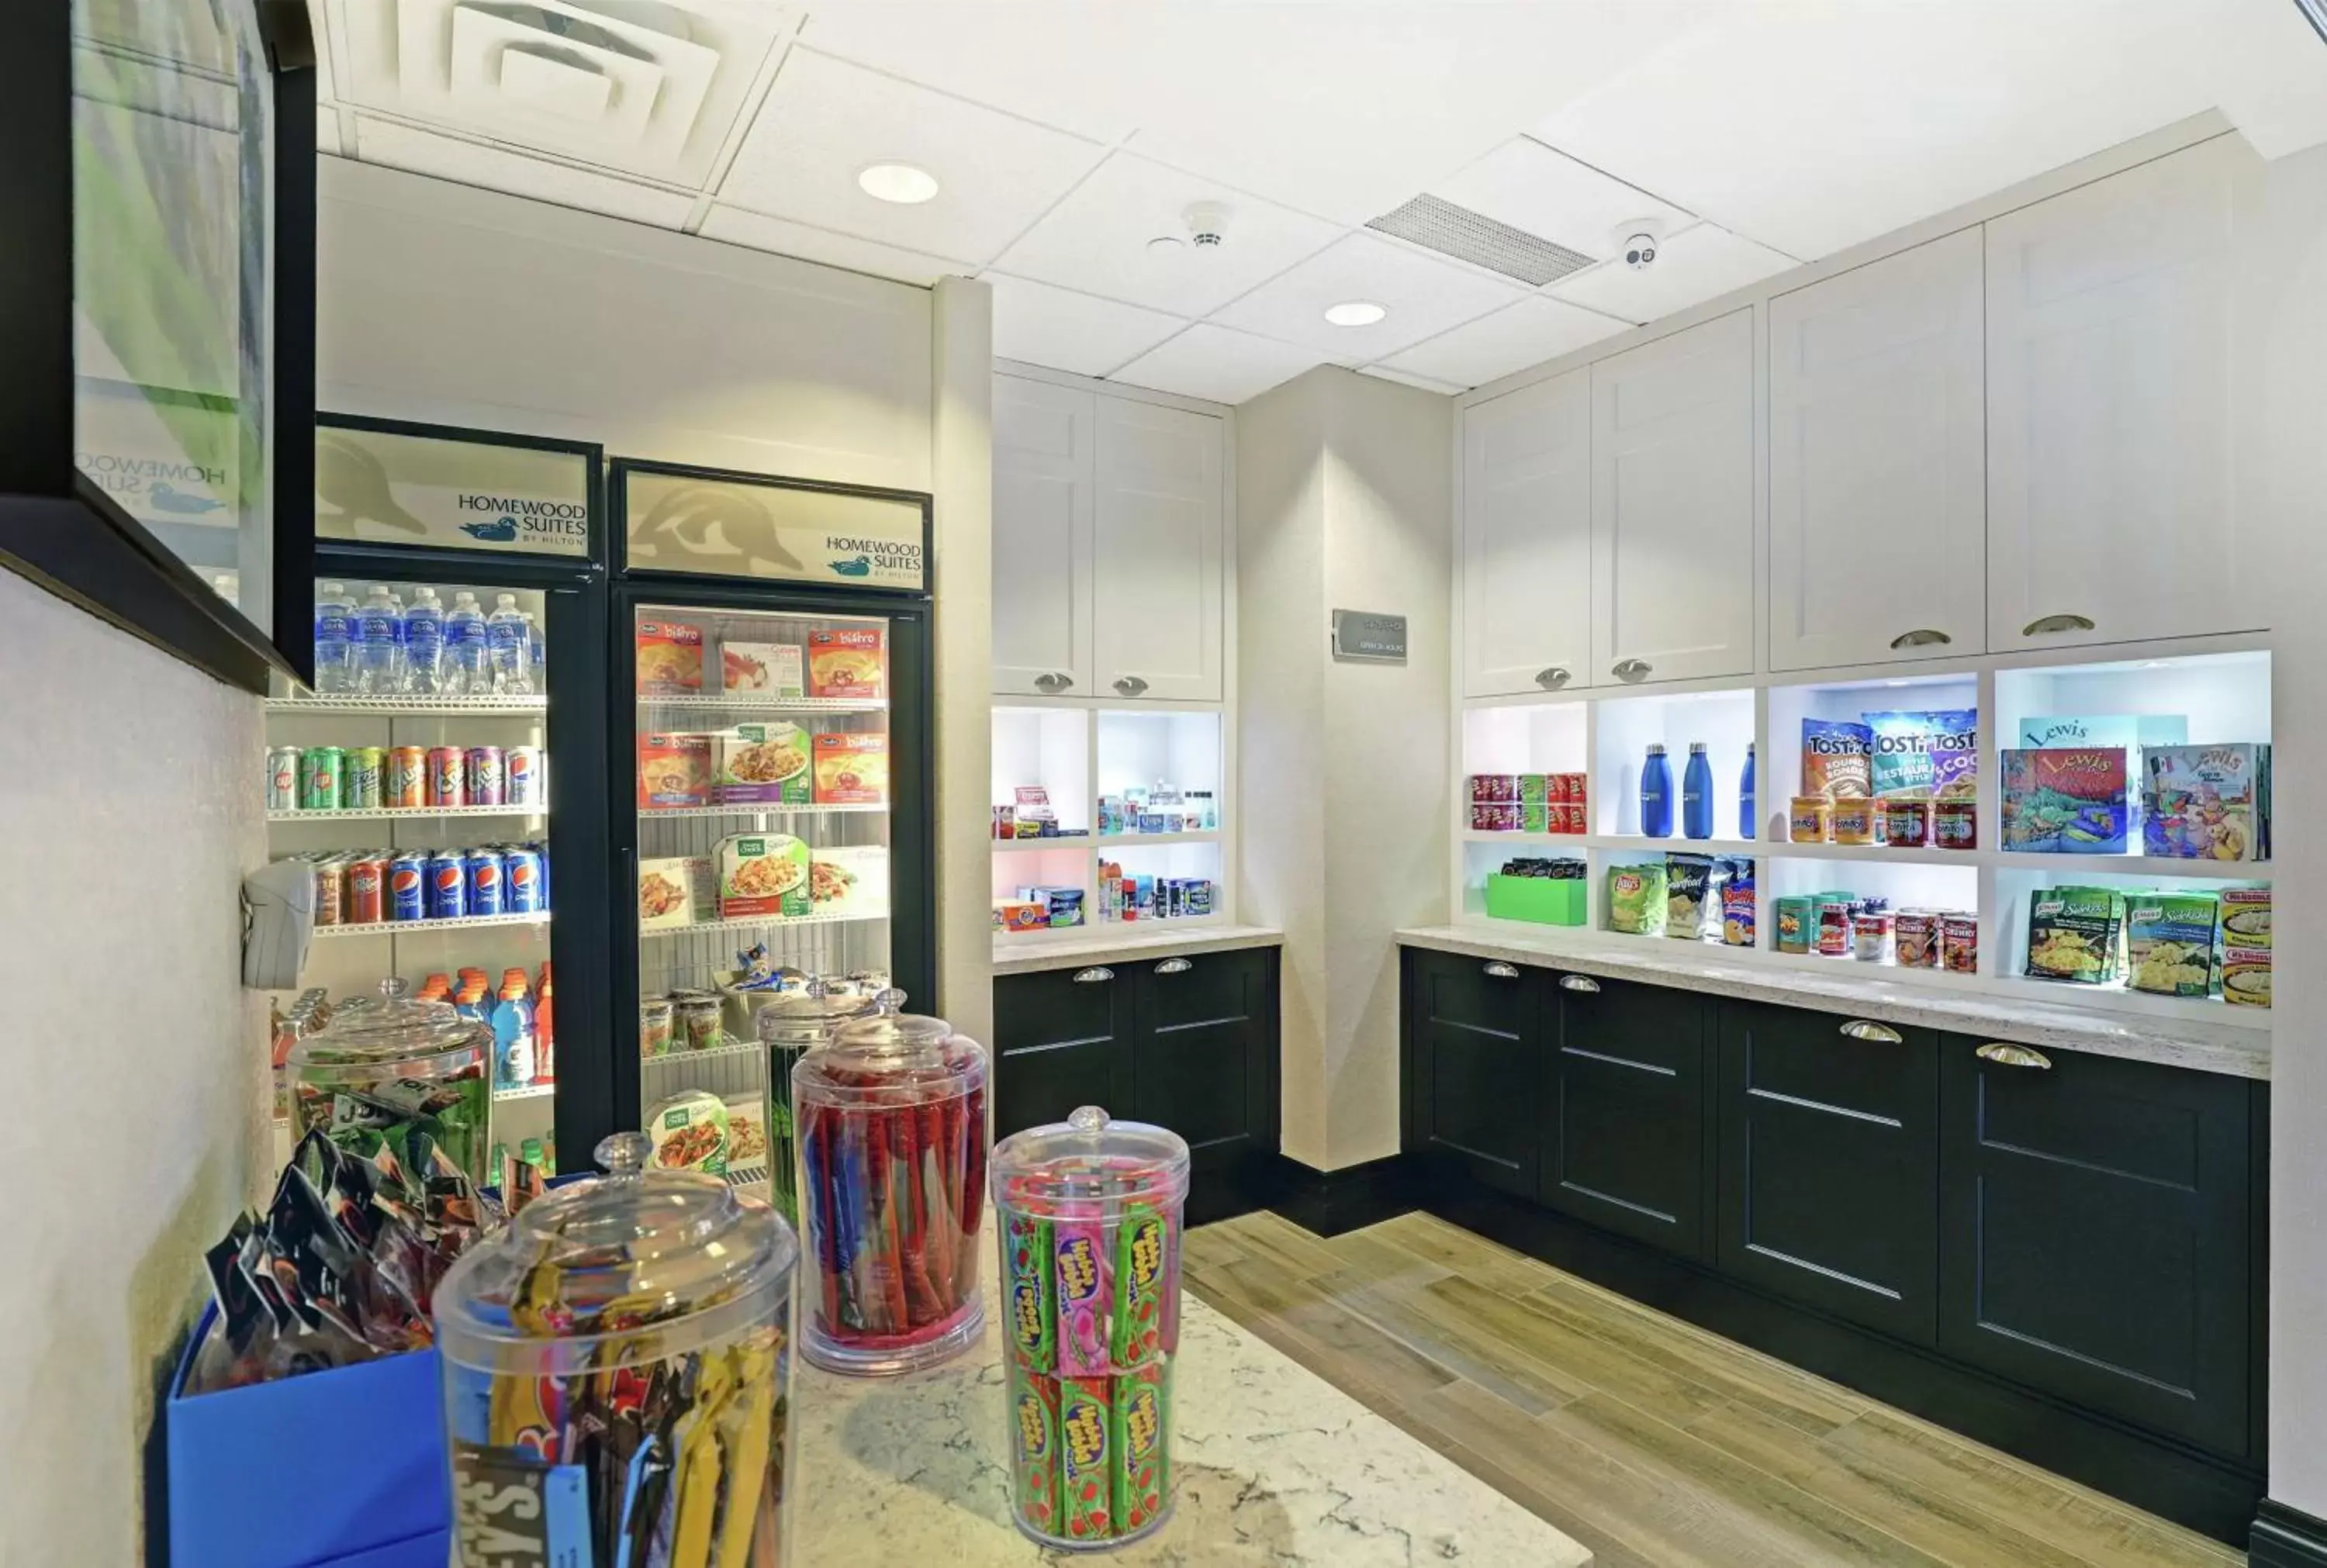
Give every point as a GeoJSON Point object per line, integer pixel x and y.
{"type": "Point", "coordinates": [1545, 900]}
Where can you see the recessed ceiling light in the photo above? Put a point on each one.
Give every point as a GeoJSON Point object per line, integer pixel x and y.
{"type": "Point", "coordinates": [908, 184]}
{"type": "Point", "coordinates": [1355, 313]}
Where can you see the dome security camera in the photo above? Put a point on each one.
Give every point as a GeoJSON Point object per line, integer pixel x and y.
{"type": "Point", "coordinates": [1640, 251]}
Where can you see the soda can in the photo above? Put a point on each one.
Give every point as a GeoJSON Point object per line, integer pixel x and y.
{"type": "Point", "coordinates": [407, 886]}
{"type": "Point", "coordinates": [363, 891]}
{"type": "Point", "coordinates": [360, 790]}
{"type": "Point", "coordinates": [447, 776]}
{"type": "Point", "coordinates": [331, 883]}
{"type": "Point", "coordinates": [322, 777]}
{"type": "Point", "coordinates": [405, 787]}
{"type": "Point", "coordinates": [523, 767]}
{"type": "Point", "coordinates": [448, 885]}
{"type": "Point", "coordinates": [285, 765]}
{"type": "Point", "coordinates": [486, 772]}
{"type": "Point", "coordinates": [525, 891]}
{"type": "Point", "coordinates": [484, 877]}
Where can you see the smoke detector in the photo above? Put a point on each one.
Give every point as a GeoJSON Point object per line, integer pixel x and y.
{"type": "Point", "coordinates": [1207, 222]}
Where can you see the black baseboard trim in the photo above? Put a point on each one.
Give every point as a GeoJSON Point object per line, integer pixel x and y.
{"type": "Point", "coordinates": [2212, 1496]}
{"type": "Point", "coordinates": [1332, 1202]}
{"type": "Point", "coordinates": [2285, 1538]}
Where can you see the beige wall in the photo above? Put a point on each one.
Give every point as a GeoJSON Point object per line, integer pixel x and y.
{"type": "Point", "coordinates": [1344, 499]}
{"type": "Point", "coordinates": [129, 786]}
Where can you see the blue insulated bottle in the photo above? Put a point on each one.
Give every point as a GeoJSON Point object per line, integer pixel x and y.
{"type": "Point", "coordinates": [1656, 795]}
{"type": "Point", "coordinates": [1745, 813]}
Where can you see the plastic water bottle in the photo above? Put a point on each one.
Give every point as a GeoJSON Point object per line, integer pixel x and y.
{"type": "Point", "coordinates": [378, 643]}
{"type": "Point", "coordinates": [466, 670]}
{"type": "Point", "coordinates": [1656, 795]}
{"type": "Point", "coordinates": [1745, 812]}
{"type": "Point", "coordinates": [507, 639]}
{"type": "Point", "coordinates": [423, 643]}
{"type": "Point", "coordinates": [335, 613]}
{"type": "Point", "coordinates": [1696, 794]}
{"type": "Point", "coordinates": [533, 651]}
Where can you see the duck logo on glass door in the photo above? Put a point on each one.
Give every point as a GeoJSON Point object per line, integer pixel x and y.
{"type": "Point", "coordinates": [712, 520]}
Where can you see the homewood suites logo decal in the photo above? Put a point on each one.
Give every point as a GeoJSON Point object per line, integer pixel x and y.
{"type": "Point", "coordinates": [509, 520]}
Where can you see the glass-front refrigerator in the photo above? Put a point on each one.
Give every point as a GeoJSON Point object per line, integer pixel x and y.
{"type": "Point", "coordinates": [780, 760]}
{"type": "Point", "coordinates": [444, 782]}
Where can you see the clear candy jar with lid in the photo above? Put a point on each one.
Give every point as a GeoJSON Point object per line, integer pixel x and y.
{"type": "Point", "coordinates": [396, 1062]}
{"type": "Point", "coordinates": [789, 1022]}
{"type": "Point", "coordinates": [891, 1116]}
{"type": "Point", "coordinates": [1088, 1215]}
{"type": "Point", "coordinates": [617, 1375]}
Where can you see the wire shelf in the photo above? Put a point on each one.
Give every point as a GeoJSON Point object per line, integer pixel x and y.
{"type": "Point", "coordinates": [416, 927]}
{"type": "Point", "coordinates": [759, 923]}
{"type": "Point", "coordinates": [746, 702]}
{"type": "Point", "coordinates": [757, 809]}
{"type": "Point", "coordinates": [529, 1092]}
{"type": "Point", "coordinates": [457, 708]}
{"type": "Point", "coordinates": [386, 813]}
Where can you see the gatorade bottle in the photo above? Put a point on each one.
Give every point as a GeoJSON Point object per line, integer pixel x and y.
{"type": "Point", "coordinates": [513, 1025]}
{"type": "Point", "coordinates": [544, 1030]}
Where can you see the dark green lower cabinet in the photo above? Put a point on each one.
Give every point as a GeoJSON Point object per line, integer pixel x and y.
{"type": "Point", "coordinates": [1062, 1038]}
{"type": "Point", "coordinates": [1624, 1145]}
{"type": "Point", "coordinates": [1829, 1163]}
{"type": "Point", "coordinates": [2096, 1234]}
{"type": "Point", "coordinates": [1474, 1044]}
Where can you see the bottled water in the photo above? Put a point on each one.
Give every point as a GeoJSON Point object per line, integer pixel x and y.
{"type": "Point", "coordinates": [512, 646]}
{"type": "Point", "coordinates": [534, 653]}
{"type": "Point", "coordinates": [378, 644]}
{"type": "Point", "coordinates": [423, 643]}
{"type": "Point", "coordinates": [465, 671]}
{"type": "Point", "coordinates": [335, 614]}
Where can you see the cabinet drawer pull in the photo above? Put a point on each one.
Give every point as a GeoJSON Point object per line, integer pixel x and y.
{"type": "Point", "coordinates": [1631, 669]}
{"type": "Point", "coordinates": [2046, 625]}
{"type": "Point", "coordinates": [1053, 681]}
{"type": "Point", "coordinates": [1578, 983]}
{"type": "Point", "coordinates": [1923, 637]}
{"type": "Point", "coordinates": [1553, 678]}
{"type": "Point", "coordinates": [1868, 1029]}
{"type": "Point", "coordinates": [1130, 686]}
{"type": "Point", "coordinates": [2008, 1055]}
{"type": "Point", "coordinates": [1503, 971]}
{"type": "Point", "coordinates": [1093, 977]}
{"type": "Point", "coordinates": [1173, 966]}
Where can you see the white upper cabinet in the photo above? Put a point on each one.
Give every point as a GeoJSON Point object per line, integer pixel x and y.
{"type": "Point", "coordinates": [2114, 510]}
{"type": "Point", "coordinates": [1878, 499]}
{"type": "Point", "coordinates": [1157, 591]}
{"type": "Point", "coordinates": [1045, 481]}
{"type": "Point", "coordinates": [1672, 506]}
{"type": "Point", "coordinates": [1527, 540]}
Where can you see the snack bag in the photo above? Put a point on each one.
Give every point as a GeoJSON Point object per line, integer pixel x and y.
{"type": "Point", "coordinates": [1034, 1447]}
{"type": "Point", "coordinates": [1737, 905]}
{"type": "Point", "coordinates": [1636, 900]}
{"type": "Point", "coordinates": [1086, 1481]}
{"type": "Point", "coordinates": [1837, 758]}
{"type": "Point", "coordinates": [1929, 756]}
{"type": "Point", "coordinates": [1136, 1326]}
{"type": "Point", "coordinates": [1141, 1461]}
{"type": "Point", "coordinates": [1085, 1276]}
{"type": "Point", "coordinates": [1027, 1281]}
{"type": "Point", "coordinates": [1689, 886]}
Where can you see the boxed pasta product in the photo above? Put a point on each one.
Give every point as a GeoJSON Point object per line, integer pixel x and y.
{"type": "Point", "coordinates": [1926, 756]}
{"type": "Point", "coordinates": [2206, 802]}
{"type": "Point", "coordinates": [1837, 758]}
{"type": "Point", "coordinates": [1688, 895]}
{"type": "Point", "coordinates": [2066, 800]}
{"type": "Point", "coordinates": [848, 662]}
{"type": "Point", "coordinates": [762, 873]}
{"type": "Point", "coordinates": [763, 763]}
{"type": "Point", "coordinates": [671, 892]}
{"type": "Point", "coordinates": [2168, 942]}
{"type": "Point", "coordinates": [2246, 976]}
{"type": "Point", "coordinates": [674, 771]}
{"type": "Point", "coordinates": [2245, 917]}
{"type": "Point", "coordinates": [1635, 899]}
{"type": "Point", "coordinates": [853, 769]}
{"type": "Point", "coordinates": [2075, 933]}
{"type": "Point", "coordinates": [776, 669]}
{"type": "Point", "coordinates": [670, 659]}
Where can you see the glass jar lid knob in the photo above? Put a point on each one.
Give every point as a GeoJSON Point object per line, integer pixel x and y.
{"type": "Point", "coordinates": [1088, 1120]}
{"type": "Point", "coordinates": [890, 1003]}
{"type": "Point", "coordinates": [623, 1154]}
{"type": "Point", "coordinates": [395, 988]}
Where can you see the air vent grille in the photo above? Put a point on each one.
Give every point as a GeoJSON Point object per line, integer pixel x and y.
{"type": "Point", "coordinates": [1473, 237]}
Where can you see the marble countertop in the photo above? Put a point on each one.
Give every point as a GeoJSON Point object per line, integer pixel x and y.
{"type": "Point", "coordinates": [1275, 1467]}
{"type": "Point", "coordinates": [2239, 1049]}
{"type": "Point", "coordinates": [1120, 942]}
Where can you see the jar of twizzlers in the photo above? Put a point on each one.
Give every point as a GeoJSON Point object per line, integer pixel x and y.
{"type": "Point", "coordinates": [891, 1122]}
{"type": "Point", "coordinates": [1089, 1216]}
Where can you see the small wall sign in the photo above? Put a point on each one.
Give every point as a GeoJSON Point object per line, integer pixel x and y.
{"type": "Point", "coordinates": [1365, 634]}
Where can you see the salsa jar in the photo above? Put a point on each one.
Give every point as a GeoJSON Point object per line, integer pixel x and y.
{"type": "Point", "coordinates": [1955, 824]}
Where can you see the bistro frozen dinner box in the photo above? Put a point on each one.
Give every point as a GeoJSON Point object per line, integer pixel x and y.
{"type": "Point", "coordinates": [674, 771]}
{"type": "Point", "coordinates": [851, 661]}
{"type": "Point", "coordinates": [852, 769]}
{"type": "Point", "coordinates": [670, 659]}
{"type": "Point", "coordinates": [762, 764]}
{"type": "Point", "coordinates": [762, 873]}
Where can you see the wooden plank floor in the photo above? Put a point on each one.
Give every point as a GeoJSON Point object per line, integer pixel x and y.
{"type": "Point", "coordinates": [1653, 1443]}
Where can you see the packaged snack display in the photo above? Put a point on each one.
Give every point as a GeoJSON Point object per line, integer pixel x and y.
{"type": "Point", "coordinates": [852, 770]}
{"type": "Point", "coordinates": [1090, 1216]}
{"type": "Point", "coordinates": [2245, 917]}
{"type": "Point", "coordinates": [671, 892]}
{"type": "Point", "coordinates": [2168, 942]}
{"type": "Point", "coordinates": [1916, 938]}
{"type": "Point", "coordinates": [890, 1117]}
{"type": "Point", "coordinates": [1495, 788]}
{"type": "Point", "coordinates": [689, 1132]}
{"type": "Point", "coordinates": [384, 1068]}
{"type": "Point", "coordinates": [670, 659]}
{"type": "Point", "coordinates": [2206, 802]}
{"type": "Point", "coordinates": [762, 873]}
{"type": "Point", "coordinates": [674, 771]}
{"type": "Point", "coordinates": [2074, 934]}
{"type": "Point", "coordinates": [1635, 899]}
{"type": "Point", "coordinates": [1810, 820]}
{"type": "Point", "coordinates": [763, 763]}
{"type": "Point", "coordinates": [1689, 892]}
{"type": "Point", "coordinates": [1737, 907]}
{"type": "Point", "coordinates": [848, 662]}
{"type": "Point", "coordinates": [1837, 758]}
{"type": "Point", "coordinates": [1925, 756]}
{"type": "Point", "coordinates": [617, 1375]}
{"type": "Point", "coordinates": [775, 670]}
{"type": "Point", "coordinates": [2065, 801]}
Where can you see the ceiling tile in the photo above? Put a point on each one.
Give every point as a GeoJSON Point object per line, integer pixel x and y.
{"type": "Point", "coordinates": [736, 227]}
{"type": "Point", "coordinates": [1424, 297]}
{"type": "Point", "coordinates": [1066, 331]}
{"type": "Point", "coordinates": [1548, 193]}
{"type": "Point", "coordinates": [498, 169]}
{"type": "Point", "coordinates": [1097, 239]}
{"type": "Point", "coordinates": [1209, 361]}
{"type": "Point", "coordinates": [1384, 373]}
{"type": "Point", "coordinates": [825, 120]}
{"type": "Point", "coordinates": [1524, 334]}
{"type": "Point", "coordinates": [1691, 267]}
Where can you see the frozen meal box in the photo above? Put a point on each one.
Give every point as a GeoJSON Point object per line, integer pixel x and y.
{"type": "Point", "coordinates": [2206, 802]}
{"type": "Point", "coordinates": [763, 763]}
{"type": "Point", "coordinates": [848, 662]}
{"type": "Point", "coordinates": [848, 879]}
{"type": "Point", "coordinates": [762, 873]}
{"type": "Point", "coordinates": [1837, 758]}
{"type": "Point", "coordinates": [2245, 917]}
{"type": "Point", "coordinates": [853, 769]}
{"type": "Point", "coordinates": [670, 657]}
{"type": "Point", "coordinates": [674, 771]}
{"type": "Point", "coordinates": [669, 890]}
{"type": "Point", "coordinates": [2169, 942]}
{"type": "Point", "coordinates": [776, 669]}
{"type": "Point", "coordinates": [2065, 801]}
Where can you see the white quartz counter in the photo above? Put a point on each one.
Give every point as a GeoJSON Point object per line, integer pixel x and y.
{"type": "Point", "coordinates": [1122, 942]}
{"type": "Point", "coordinates": [2240, 1048]}
{"type": "Point", "coordinates": [1275, 1467]}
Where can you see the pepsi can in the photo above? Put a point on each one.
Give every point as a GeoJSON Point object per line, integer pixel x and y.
{"type": "Point", "coordinates": [408, 888]}
{"type": "Point", "coordinates": [522, 765]}
{"type": "Point", "coordinates": [448, 885]}
{"type": "Point", "coordinates": [486, 773]}
{"type": "Point", "coordinates": [484, 875]}
{"type": "Point", "coordinates": [525, 890]}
